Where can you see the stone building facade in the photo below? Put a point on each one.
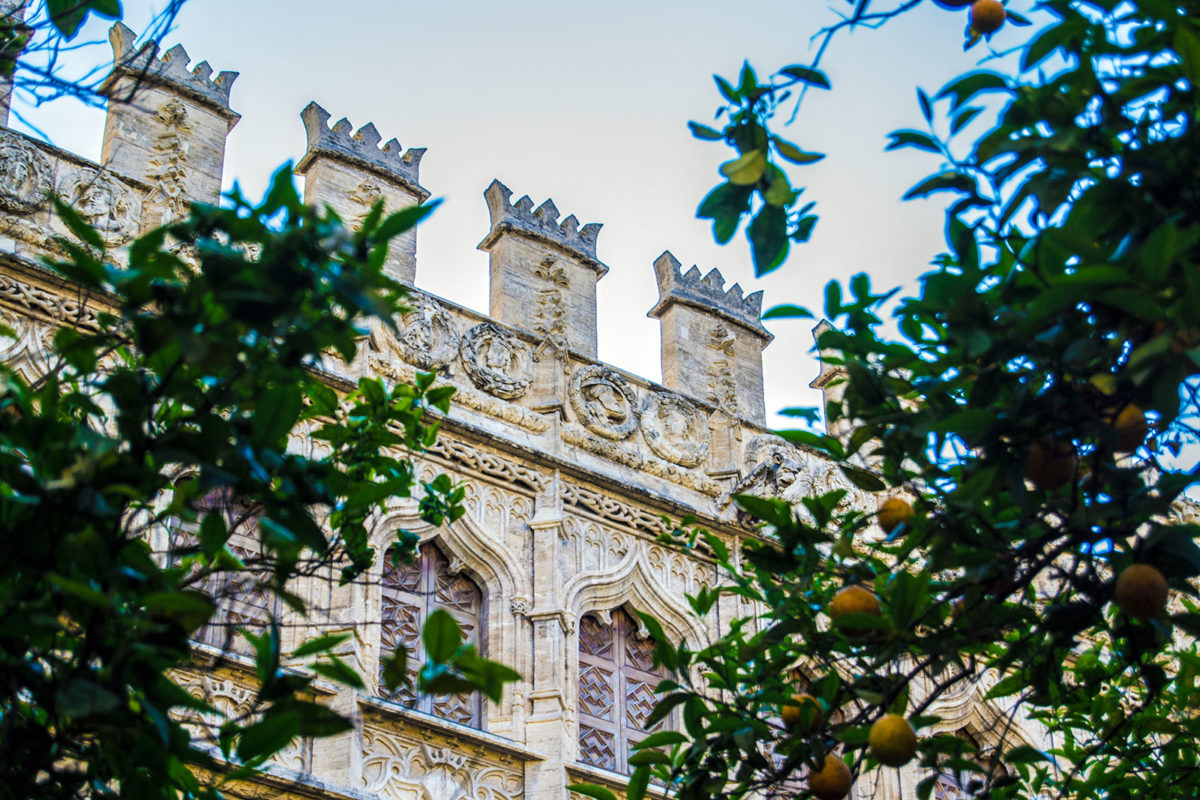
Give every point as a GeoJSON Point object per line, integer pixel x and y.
{"type": "Point", "coordinates": [569, 464]}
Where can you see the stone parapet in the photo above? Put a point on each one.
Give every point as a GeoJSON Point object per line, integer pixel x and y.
{"type": "Point", "coordinates": [360, 149]}
{"type": "Point", "coordinates": [706, 293]}
{"type": "Point", "coordinates": [140, 65]}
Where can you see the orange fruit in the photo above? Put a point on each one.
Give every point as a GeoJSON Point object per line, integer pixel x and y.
{"type": "Point", "coordinates": [894, 512]}
{"type": "Point", "coordinates": [1131, 428]}
{"type": "Point", "coordinates": [1051, 464]}
{"type": "Point", "coordinates": [987, 16]}
{"type": "Point", "coordinates": [893, 741]}
{"type": "Point", "coordinates": [831, 781]}
{"type": "Point", "coordinates": [1141, 591]}
{"type": "Point", "coordinates": [804, 715]}
{"type": "Point", "coordinates": [854, 600]}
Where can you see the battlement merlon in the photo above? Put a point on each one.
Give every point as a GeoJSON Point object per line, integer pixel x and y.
{"type": "Point", "coordinates": [360, 149]}
{"type": "Point", "coordinates": [139, 65]}
{"type": "Point", "coordinates": [541, 223]}
{"type": "Point", "coordinates": [829, 371]}
{"type": "Point", "coordinates": [708, 294]}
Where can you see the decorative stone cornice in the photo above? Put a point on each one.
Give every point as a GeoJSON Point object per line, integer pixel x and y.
{"type": "Point", "coordinates": [706, 293]}
{"type": "Point", "coordinates": [540, 223]}
{"type": "Point", "coordinates": [171, 70]}
{"type": "Point", "coordinates": [361, 149]}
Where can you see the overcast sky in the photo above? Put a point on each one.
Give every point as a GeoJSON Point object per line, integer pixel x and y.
{"type": "Point", "coordinates": [587, 103]}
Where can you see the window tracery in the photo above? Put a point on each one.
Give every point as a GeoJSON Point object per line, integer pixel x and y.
{"type": "Point", "coordinates": [410, 592]}
{"type": "Point", "coordinates": [616, 690]}
{"type": "Point", "coordinates": [242, 598]}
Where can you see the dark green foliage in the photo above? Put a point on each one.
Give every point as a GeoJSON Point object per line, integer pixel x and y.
{"type": "Point", "coordinates": [192, 387]}
{"type": "Point", "coordinates": [1069, 291]}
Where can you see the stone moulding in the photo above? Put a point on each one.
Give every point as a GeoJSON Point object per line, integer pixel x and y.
{"type": "Point", "coordinates": [613, 510]}
{"type": "Point", "coordinates": [488, 464]}
{"type": "Point", "coordinates": [25, 175]}
{"type": "Point", "coordinates": [497, 361]}
{"type": "Point", "coordinates": [360, 149]}
{"type": "Point", "coordinates": [540, 223]}
{"type": "Point", "coordinates": [140, 64]}
{"type": "Point", "coordinates": [706, 293]}
{"type": "Point", "coordinates": [28, 297]}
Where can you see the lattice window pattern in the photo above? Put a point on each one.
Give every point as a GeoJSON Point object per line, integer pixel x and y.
{"type": "Point", "coordinates": [410, 593]}
{"type": "Point", "coordinates": [616, 690]}
{"type": "Point", "coordinates": [243, 600]}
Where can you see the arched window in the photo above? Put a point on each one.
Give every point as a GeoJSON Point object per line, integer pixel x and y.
{"type": "Point", "coordinates": [242, 597]}
{"type": "Point", "coordinates": [410, 592]}
{"type": "Point", "coordinates": [616, 690]}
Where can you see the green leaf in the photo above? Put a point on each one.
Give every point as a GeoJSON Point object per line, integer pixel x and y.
{"type": "Point", "coordinates": [276, 413]}
{"type": "Point", "coordinates": [661, 739]}
{"type": "Point", "coordinates": [637, 783]}
{"type": "Point", "coordinates": [808, 75]}
{"type": "Point", "coordinates": [441, 635]}
{"type": "Point", "coordinates": [768, 239]}
{"type": "Point", "coordinates": [339, 671]}
{"type": "Point", "coordinates": [942, 182]}
{"type": "Point", "coordinates": [704, 132]}
{"type": "Point", "coordinates": [787, 311]}
{"type": "Point", "coordinates": [746, 169]}
{"type": "Point", "coordinates": [395, 224]}
{"type": "Point", "coordinates": [320, 644]}
{"type": "Point", "coordinates": [77, 224]}
{"type": "Point", "coordinates": [911, 138]}
{"type": "Point", "coordinates": [794, 154]}
{"type": "Point", "coordinates": [1187, 45]}
{"type": "Point", "coordinates": [591, 790]}
{"type": "Point", "coordinates": [79, 698]}
{"type": "Point", "coordinates": [863, 479]}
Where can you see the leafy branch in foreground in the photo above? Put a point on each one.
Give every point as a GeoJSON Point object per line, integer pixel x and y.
{"type": "Point", "coordinates": [179, 404]}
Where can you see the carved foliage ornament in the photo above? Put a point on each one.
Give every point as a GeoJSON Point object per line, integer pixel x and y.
{"type": "Point", "coordinates": [427, 336]}
{"type": "Point", "coordinates": [675, 429]}
{"type": "Point", "coordinates": [604, 401]}
{"type": "Point", "coordinates": [106, 203]}
{"type": "Point", "coordinates": [497, 361]}
{"type": "Point", "coordinates": [24, 175]}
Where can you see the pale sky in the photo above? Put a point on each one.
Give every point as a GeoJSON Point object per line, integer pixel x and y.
{"type": "Point", "coordinates": [587, 104]}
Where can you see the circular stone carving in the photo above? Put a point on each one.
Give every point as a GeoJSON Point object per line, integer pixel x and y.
{"type": "Point", "coordinates": [105, 203]}
{"type": "Point", "coordinates": [24, 175]}
{"type": "Point", "coordinates": [427, 337]}
{"type": "Point", "coordinates": [604, 401]}
{"type": "Point", "coordinates": [675, 429]}
{"type": "Point", "coordinates": [497, 361]}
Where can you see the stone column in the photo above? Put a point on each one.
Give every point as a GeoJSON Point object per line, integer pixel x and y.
{"type": "Point", "coordinates": [546, 728]}
{"type": "Point", "coordinates": [712, 340]}
{"type": "Point", "coordinates": [350, 172]}
{"type": "Point", "coordinates": [166, 126]}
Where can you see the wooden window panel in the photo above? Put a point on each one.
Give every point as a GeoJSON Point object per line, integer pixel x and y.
{"type": "Point", "coordinates": [410, 592]}
{"type": "Point", "coordinates": [616, 690]}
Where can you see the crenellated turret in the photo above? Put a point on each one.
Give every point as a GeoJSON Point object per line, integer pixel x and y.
{"type": "Point", "coordinates": [712, 339]}
{"type": "Point", "coordinates": [543, 271]}
{"type": "Point", "coordinates": [166, 124]}
{"type": "Point", "coordinates": [350, 172]}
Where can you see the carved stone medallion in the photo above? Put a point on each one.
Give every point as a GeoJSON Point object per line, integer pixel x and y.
{"type": "Point", "coordinates": [497, 361]}
{"type": "Point", "coordinates": [24, 175]}
{"type": "Point", "coordinates": [427, 337]}
{"type": "Point", "coordinates": [106, 203]}
{"type": "Point", "coordinates": [604, 401]}
{"type": "Point", "coordinates": [675, 429]}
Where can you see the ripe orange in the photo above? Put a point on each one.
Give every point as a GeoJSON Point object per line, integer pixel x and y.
{"type": "Point", "coordinates": [1051, 464]}
{"type": "Point", "coordinates": [894, 512]}
{"type": "Point", "coordinates": [854, 600]}
{"type": "Point", "coordinates": [1141, 591]}
{"type": "Point", "coordinates": [831, 781]}
{"type": "Point", "coordinates": [1131, 428]}
{"type": "Point", "coordinates": [893, 741]}
{"type": "Point", "coordinates": [987, 16]}
{"type": "Point", "coordinates": [804, 715]}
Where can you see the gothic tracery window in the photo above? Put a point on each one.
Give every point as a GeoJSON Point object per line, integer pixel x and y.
{"type": "Point", "coordinates": [242, 598]}
{"type": "Point", "coordinates": [410, 592]}
{"type": "Point", "coordinates": [616, 690]}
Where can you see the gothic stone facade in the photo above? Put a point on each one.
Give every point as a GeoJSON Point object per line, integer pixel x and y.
{"type": "Point", "coordinates": [568, 463]}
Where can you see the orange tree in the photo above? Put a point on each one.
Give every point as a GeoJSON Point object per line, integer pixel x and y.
{"type": "Point", "coordinates": [1037, 407]}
